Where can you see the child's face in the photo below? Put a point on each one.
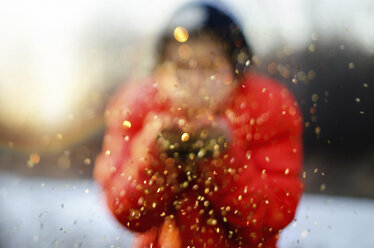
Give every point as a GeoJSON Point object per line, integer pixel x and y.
{"type": "Point", "coordinates": [196, 74]}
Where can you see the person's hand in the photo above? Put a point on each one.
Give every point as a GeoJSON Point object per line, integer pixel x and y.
{"type": "Point", "coordinates": [197, 142]}
{"type": "Point", "coordinates": [152, 127]}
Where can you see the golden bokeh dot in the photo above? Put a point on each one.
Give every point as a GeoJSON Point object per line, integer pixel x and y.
{"type": "Point", "coordinates": [318, 130]}
{"type": "Point", "coordinates": [315, 97]}
{"type": "Point", "coordinates": [185, 137]}
{"type": "Point", "coordinates": [312, 48]}
{"type": "Point", "coordinates": [323, 187]}
{"type": "Point", "coordinates": [126, 124]}
{"type": "Point", "coordinates": [87, 161]}
{"type": "Point", "coordinates": [35, 158]}
{"type": "Point", "coordinates": [181, 34]}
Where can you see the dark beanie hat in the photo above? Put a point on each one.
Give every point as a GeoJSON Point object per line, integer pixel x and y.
{"type": "Point", "coordinates": [214, 19]}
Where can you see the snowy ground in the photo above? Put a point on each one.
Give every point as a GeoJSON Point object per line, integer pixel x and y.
{"type": "Point", "coordinates": [41, 212]}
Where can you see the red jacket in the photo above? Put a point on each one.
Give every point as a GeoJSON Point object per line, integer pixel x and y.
{"type": "Point", "coordinates": [246, 196]}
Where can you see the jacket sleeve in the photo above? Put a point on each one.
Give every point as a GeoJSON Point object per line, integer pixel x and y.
{"type": "Point", "coordinates": [137, 189]}
{"type": "Point", "coordinates": [260, 187]}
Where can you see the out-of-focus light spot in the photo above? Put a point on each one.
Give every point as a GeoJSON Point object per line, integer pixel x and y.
{"type": "Point", "coordinates": [181, 34]}
{"type": "Point", "coordinates": [323, 187]}
{"type": "Point", "coordinates": [301, 76]}
{"type": "Point", "coordinates": [313, 111]}
{"type": "Point", "coordinates": [35, 158]}
{"type": "Point", "coordinates": [59, 136]}
{"type": "Point", "coordinates": [304, 233]}
{"type": "Point", "coordinates": [304, 174]}
{"type": "Point", "coordinates": [351, 65]}
{"type": "Point", "coordinates": [87, 161]}
{"type": "Point", "coordinates": [318, 130]}
{"type": "Point", "coordinates": [312, 48]}
{"type": "Point", "coordinates": [294, 80]}
{"type": "Point", "coordinates": [314, 97]}
{"type": "Point", "coordinates": [185, 137]}
{"type": "Point", "coordinates": [126, 124]}
{"type": "Point", "coordinates": [227, 79]}
{"type": "Point", "coordinates": [311, 74]}
{"type": "Point", "coordinates": [292, 111]}
{"type": "Point", "coordinates": [30, 164]}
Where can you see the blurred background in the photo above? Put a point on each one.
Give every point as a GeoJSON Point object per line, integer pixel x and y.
{"type": "Point", "coordinates": [61, 61]}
